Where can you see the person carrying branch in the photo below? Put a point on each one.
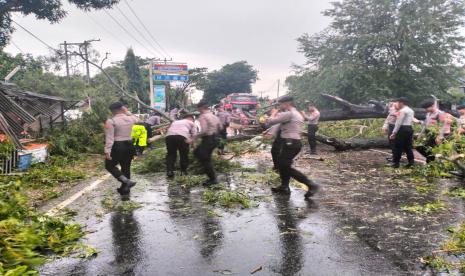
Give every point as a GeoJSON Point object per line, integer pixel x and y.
{"type": "Point", "coordinates": [210, 128]}
{"type": "Point", "coordinates": [119, 148]}
{"type": "Point", "coordinates": [178, 139]}
{"type": "Point", "coordinates": [290, 123]}
{"type": "Point", "coordinates": [313, 117]}
{"type": "Point", "coordinates": [436, 128]}
{"type": "Point", "coordinates": [402, 134]}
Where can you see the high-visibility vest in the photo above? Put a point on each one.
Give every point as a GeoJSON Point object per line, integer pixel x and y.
{"type": "Point", "coordinates": [139, 135]}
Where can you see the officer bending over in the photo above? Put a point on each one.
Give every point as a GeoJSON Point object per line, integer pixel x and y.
{"type": "Point", "coordinates": [178, 139]}
{"type": "Point", "coordinates": [434, 118]}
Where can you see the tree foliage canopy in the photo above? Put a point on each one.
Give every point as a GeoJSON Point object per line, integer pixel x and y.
{"type": "Point", "coordinates": [231, 78]}
{"type": "Point", "coordinates": [51, 10]}
{"type": "Point", "coordinates": [378, 49]}
{"type": "Point", "coordinates": [134, 75]}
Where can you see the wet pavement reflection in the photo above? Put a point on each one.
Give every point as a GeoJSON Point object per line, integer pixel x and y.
{"type": "Point", "coordinates": [189, 213]}
{"type": "Point", "coordinates": [126, 243]}
{"type": "Point", "coordinates": [175, 233]}
{"type": "Point", "coordinates": [290, 239]}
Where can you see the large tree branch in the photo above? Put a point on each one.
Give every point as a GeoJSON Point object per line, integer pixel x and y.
{"type": "Point", "coordinates": [349, 111]}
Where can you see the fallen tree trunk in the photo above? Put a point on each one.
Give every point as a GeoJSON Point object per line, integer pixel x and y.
{"type": "Point", "coordinates": [349, 111]}
{"type": "Point", "coordinates": [354, 143]}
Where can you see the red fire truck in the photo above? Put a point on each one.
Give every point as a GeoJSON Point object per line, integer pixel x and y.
{"type": "Point", "coordinates": [245, 101]}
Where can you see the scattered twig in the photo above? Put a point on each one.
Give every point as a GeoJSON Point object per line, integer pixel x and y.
{"type": "Point", "coordinates": [257, 269]}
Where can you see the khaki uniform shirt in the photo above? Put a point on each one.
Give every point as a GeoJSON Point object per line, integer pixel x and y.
{"type": "Point", "coordinates": [404, 118]}
{"type": "Point", "coordinates": [225, 117]}
{"type": "Point", "coordinates": [391, 118]}
{"type": "Point", "coordinates": [183, 127]}
{"type": "Point", "coordinates": [291, 124]}
{"type": "Point", "coordinates": [313, 118]}
{"type": "Point", "coordinates": [153, 120]}
{"type": "Point", "coordinates": [209, 124]}
{"type": "Point", "coordinates": [118, 128]}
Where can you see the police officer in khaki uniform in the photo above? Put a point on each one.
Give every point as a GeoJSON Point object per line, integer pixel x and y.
{"type": "Point", "coordinates": [119, 148]}
{"type": "Point", "coordinates": [313, 117]}
{"type": "Point", "coordinates": [210, 127]}
{"type": "Point", "coordinates": [225, 119]}
{"type": "Point", "coordinates": [402, 134]}
{"type": "Point", "coordinates": [178, 139]}
{"type": "Point", "coordinates": [290, 127]}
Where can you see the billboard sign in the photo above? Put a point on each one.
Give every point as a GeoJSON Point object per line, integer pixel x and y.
{"type": "Point", "coordinates": [170, 77]}
{"type": "Point", "coordinates": [158, 99]}
{"type": "Point", "coordinates": [170, 69]}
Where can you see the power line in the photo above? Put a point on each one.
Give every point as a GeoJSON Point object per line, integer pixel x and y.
{"type": "Point", "coordinates": [137, 30]}
{"type": "Point", "coordinates": [127, 32]}
{"type": "Point", "coordinates": [17, 47]}
{"type": "Point", "coordinates": [146, 29]}
{"type": "Point", "coordinates": [106, 30]}
{"type": "Point", "coordinates": [36, 37]}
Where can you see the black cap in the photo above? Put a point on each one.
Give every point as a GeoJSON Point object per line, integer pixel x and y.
{"type": "Point", "coordinates": [189, 114]}
{"type": "Point", "coordinates": [403, 100]}
{"type": "Point", "coordinates": [202, 105]}
{"type": "Point", "coordinates": [286, 99]}
{"type": "Point", "coordinates": [116, 106]}
{"type": "Point", "coordinates": [460, 107]}
{"type": "Point", "coordinates": [427, 104]}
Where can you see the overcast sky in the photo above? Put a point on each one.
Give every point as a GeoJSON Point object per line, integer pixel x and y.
{"type": "Point", "coordinates": [204, 33]}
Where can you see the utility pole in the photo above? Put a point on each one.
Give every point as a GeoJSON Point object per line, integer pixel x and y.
{"type": "Point", "coordinates": [279, 84]}
{"type": "Point", "coordinates": [86, 54]}
{"type": "Point", "coordinates": [84, 45]}
{"type": "Point", "coordinates": [67, 59]}
{"type": "Point", "coordinates": [151, 97]}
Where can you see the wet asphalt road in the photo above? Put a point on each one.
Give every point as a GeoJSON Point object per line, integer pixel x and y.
{"type": "Point", "coordinates": [175, 233]}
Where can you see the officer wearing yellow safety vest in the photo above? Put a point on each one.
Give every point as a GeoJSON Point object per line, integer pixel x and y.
{"type": "Point", "coordinates": [140, 137]}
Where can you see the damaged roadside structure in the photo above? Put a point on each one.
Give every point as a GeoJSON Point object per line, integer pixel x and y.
{"type": "Point", "coordinates": [26, 116]}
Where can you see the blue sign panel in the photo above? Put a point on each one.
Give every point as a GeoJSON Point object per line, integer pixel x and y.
{"type": "Point", "coordinates": [170, 78]}
{"type": "Point", "coordinates": [159, 97]}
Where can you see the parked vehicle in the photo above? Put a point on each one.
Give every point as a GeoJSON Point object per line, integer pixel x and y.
{"type": "Point", "coordinates": [244, 101]}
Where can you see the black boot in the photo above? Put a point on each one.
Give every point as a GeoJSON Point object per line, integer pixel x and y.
{"type": "Point", "coordinates": [409, 165]}
{"type": "Point", "coordinates": [126, 185]}
{"type": "Point", "coordinates": [313, 188]}
{"type": "Point", "coordinates": [281, 190]}
{"type": "Point", "coordinates": [123, 189]}
{"type": "Point", "coordinates": [210, 182]}
{"type": "Point", "coordinates": [395, 165]}
{"type": "Point", "coordinates": [170, 174]}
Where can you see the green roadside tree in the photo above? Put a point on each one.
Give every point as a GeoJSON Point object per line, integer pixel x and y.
{"type": "Point", "coordinates": [50, 10]}
{"type": "Point", "coordinates": [379, 49]}
{"type": "Point", "coordinates": [237, 77]}
{"type": "Point", "coordinates": [134, 76]}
